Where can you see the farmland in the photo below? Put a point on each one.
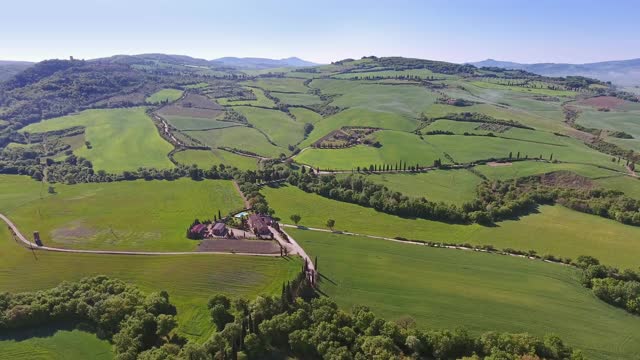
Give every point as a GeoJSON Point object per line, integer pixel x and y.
{"type": "Point", "coordinates": [55, 344]}
{"type": "Point", "coordinates": [166, 95]}
{"type": "Point", "coordinates": [466, 125]}
{"type": "Point", "coordinates": [97, 216]}
{"type": "Point", "coordinates": [205, 159]}
{"type": "Point", "coordinates": [554, 230]}
{"type": "Point", "coordinates": [121, 139]}
{"type": "Point", "coordinates": [441, 288]}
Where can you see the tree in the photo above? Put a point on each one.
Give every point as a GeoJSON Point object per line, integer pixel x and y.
{"type": "Point", "coordinates": [295, 218]}
{"type": "Point", "coordinates": [51, 190]}
{"type": "Point", "coordinates": [331, 223]}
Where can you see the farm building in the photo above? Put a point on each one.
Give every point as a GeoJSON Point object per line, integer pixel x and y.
{"type": "Point", "coordinates": [260, 224]}
{"type": "Point", "coordinates": [198, 231]}
{"type": "Point", "coordinates": [219, 229]}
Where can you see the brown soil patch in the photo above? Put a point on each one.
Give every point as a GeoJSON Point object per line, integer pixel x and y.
{"type": "Point", "coordinates": [73, 230]}
{"type": "Point", "coordinates": [494, 164]}
{"type": "Point", "coordinates": [193, 105]}
{"type": "Point", "coordinates": [602, 102]}
{"type": "Point", "coordinates": [240, 246]}
{"type": "Point", "coordinates": [566, 179]}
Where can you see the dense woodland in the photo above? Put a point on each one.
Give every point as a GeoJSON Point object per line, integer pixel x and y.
{"type": "Point", "coordinates": [295, 324]}
{"type": "Point", "coordinates": [618, 288]}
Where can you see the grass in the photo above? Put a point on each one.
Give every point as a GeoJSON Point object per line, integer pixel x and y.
{"type": "Point", "coordinates": [190, 280]}
{"type": "Point", "coordinates": [196, 123]}
{"type": "Point", "coordinates": [168, 95]}
{"type": "Point", "coordinates": [396, 146]}
{"type": "Point", "coordinates": [443, 288]}
{"type": "Point", "coordinates": [626, 121]}
{"type": "Point", "coordinates": [406, 100]}
{"type": "Point", "coordinates": [297, 99]}
{"type": "Point", "coordinates": [261, 100]}
{"type": "Point", "coordinates": [305, 115]}
{"type": "Point", "coordinates": [279, 84]}
{"type": "Point", "coordinates": [52, 344]}
{"type": "Point", "coordinates": [466, 149]}
{"type": "Point", "coordinates": [279, 127]}
{"type": "Point", "coordinates": [452, 187]}
{"type": "Point", "coordinates": [555, 230]}
{"type": "Point", "coordinates": [139, 207]}
{"type": "Point", "coordinates": [360, 117]}
{"type": "Point", "coordinates": [535, 91]}
{"type": "Point", "coordinates": [134, 215]}
{"type": "Point", "coordinates": [121, 139]}
{"type": "Point", "coordinates": [421, 73]}
{"type": "Point", "coordinates": [207, 158]}
{"type": "Point", "coordinates": [528, 168]}
{"type": "Point", "coordinates": [239, 137]}
{"type": "Point", "coordinates": [628, 185]}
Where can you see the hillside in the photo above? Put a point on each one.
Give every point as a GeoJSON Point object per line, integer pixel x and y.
{"type": "Point", "coordinates": [10, 68]}
{"type": "Point", "coordinates": [622, 72]}
{"type": "Point", "coordinates": [438, 195]}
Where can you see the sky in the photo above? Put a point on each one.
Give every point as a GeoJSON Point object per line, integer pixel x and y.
{"type": "Point", "coordinates": [574, 31]}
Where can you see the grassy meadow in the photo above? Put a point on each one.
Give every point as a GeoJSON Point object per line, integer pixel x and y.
{"type": "Point", "coordinates": [444, 288]}
{"type": "Point", "coordinates": [121, 139]}
{"type": "Point", "coordinates": [54, 344]}
{"type": "Point", "coordinates": [239, 137]}
{"type": "Point", "coordinates": [449, 186]}
{"type": "Point", "coordinates": [396, 146]}
{"type": "Point", "coordinates": [207, 158]}
{"type": "Point", "coordinates": [132, 215]}
{"type": "Point", "coordinates": [168, 95]}
{"type": "Point", "coordinates": [554, 230]}
{"type": "Point", "coordinates": [158, 208]}
{"type": "Point", "coordinates": [280, 128]}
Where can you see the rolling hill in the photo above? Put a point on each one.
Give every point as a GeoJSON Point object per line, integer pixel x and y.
{"type": "Point", "coordinates": [621, 72]}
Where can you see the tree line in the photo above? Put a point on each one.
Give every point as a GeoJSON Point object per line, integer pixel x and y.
{"type": "Point", "coordinates": [296, 324]}
{"type": "Point", "coordinates": [618, 288]}
{"type": "Point", "coordinates": [495, 201]}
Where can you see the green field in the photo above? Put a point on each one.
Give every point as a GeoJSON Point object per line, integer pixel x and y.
{"type": "Point", "coordinates": [405, 100]}
{"type": "Point", "coordinates": [396, 146]}
{"type": "Point", "coordinates": [466, 149]}
{"type": "Point", "coordinates": [279, 84]}
{"type": "Point", "coordinates": [280, 128]}
{"type": "Point", "coordinates": [627, 184]}
{"type": "Point", "coordinates": [305, 115]}
{"type": "Point", "coordinates": [239, 137]}
{"type": "Point", "coordinates": [360, 117]}
{"type": "Point", "coordinates": [133, 215]}
{"type": "Point", "coordinates": [626, 121]}
{"type": "Point", "coordinates": [206, 158]}
{"type": "Point", "coordinates": [196, 123]}
{"type": "Point", "coordinates": [132, 209]}
{"type": "Point", "coordinates": [121, 139]}
{"type": "Point", "coordinates": [554, 230]}
{"type": "Point", "coordinates": [297, 99]}
{"type": "Point", "coordinates": [189, 279]}
{"type": "Point", "coordinates": [539, 91]}
{"type": "Point", "coordinates": [261, 100]}
{"type": "Point", "coordinates": [449, 186]}
{"type": "Point", "coordinates": [168, 95]}
{"type": "Point", "coordinates": [527, 168]}
{"type": "Point", "coordinates": [444, 288]}
{"type": "Point", "coordinates": [52, 344]}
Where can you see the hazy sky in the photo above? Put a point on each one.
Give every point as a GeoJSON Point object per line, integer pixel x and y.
{"type": "Point", "coordinates": [323, 31]}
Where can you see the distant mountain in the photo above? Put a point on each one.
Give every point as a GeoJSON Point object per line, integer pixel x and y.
{"type": "Point", "coordinates": [262, 63]}
{"type": "Point", "coordinates": [621, 72]}
{"type": "Point", "coordinates": [10, 68]}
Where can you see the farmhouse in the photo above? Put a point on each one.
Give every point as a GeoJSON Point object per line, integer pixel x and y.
{"type": "Point", "coordinates": [219, 229]}
{"type": "Point", "coordinates": [198, 231]}
{"type": "Point", "coordinates": [260, 224]}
